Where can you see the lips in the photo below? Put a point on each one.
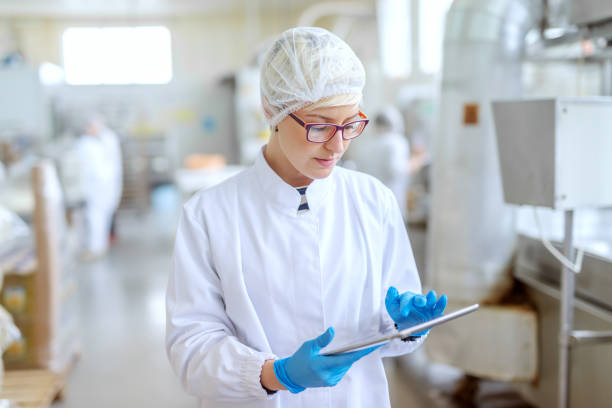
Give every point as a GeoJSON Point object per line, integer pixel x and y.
{"type": "Point", "coordinates": [326, 162]}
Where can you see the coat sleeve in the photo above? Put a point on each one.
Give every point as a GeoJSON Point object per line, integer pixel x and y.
{"type": "Point", "coordinates": [399, 270]}
{"type": "Point", "coordinates": [200, 339]}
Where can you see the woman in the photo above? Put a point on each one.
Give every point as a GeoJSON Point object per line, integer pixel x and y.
{"type": "Point", "coordinates": [275, 263]}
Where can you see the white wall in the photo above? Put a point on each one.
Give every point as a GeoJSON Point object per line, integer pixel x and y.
{"type": "Point", "coordinates": [205, 49]}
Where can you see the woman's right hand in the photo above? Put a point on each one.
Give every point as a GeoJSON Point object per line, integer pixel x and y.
{"type": "Point", "coordinates": [410, 309]}
{"type": "Point", "coordinates": [306, 368]}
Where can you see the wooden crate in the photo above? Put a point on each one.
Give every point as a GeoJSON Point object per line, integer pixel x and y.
{"type": "Point", "coordinates": [32, 388]}
{"type": "Point", "coordinates": [39, 290]}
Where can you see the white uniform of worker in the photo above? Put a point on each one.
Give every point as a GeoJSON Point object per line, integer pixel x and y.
{"type": "Point", "coordinates": [103, 181]}
{"type": "Point", "coordinates": [98, 190]}
{"type": "Point", "coordinates": [253, 280]}
{"type": "Point", "coordinates": [112, 146]}
{"type": "Point", "coordinates": [386, 156]}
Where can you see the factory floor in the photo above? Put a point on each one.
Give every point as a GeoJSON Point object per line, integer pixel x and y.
{"type": "Point", "coordinates": [123, 362]}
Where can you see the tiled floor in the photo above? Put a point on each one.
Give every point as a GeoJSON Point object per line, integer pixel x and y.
{"type": "Point", "coordinates": [123, 363]}
{"type": "Point", "coordinates": [121, 301]}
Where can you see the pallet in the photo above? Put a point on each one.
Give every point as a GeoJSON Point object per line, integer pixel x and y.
{"type": "Point", "coordinates": [32, 388]}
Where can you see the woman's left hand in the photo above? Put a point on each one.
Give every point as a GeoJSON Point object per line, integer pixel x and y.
{"type": "Point", "coordinates": [410, 309]}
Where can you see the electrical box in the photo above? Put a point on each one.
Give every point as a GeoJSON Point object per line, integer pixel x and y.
{"type": "Point", "coordinates": [583, 12]}
{"type": "Point", "coordinates": [557, 152]}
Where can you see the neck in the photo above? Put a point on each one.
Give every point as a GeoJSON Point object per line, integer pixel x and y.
{"type": "Point", "coordinates": [282, 166]}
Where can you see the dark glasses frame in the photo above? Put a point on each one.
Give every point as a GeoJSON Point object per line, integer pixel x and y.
{"type": "Point", "coordinates": [307, 126]}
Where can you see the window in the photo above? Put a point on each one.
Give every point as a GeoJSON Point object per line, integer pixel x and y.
{"type": "Point", "coordinates": [117, 55]}
{"type": "Point", "coordinates": [432, 14]}
{"type": "Point", "coordinates": [394, 37]}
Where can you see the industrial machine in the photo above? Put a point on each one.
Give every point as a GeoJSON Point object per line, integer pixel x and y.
{"type": "Point", "coordinates": [555, 152]}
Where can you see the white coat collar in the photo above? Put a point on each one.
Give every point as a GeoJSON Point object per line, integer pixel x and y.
{"type": "Point", "coordinates": [277, 191]}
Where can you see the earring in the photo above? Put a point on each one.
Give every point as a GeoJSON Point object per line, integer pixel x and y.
{"type": "Point", "coordinates": [276, 129]}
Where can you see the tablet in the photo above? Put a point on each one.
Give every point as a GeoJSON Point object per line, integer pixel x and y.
{"type": "Point", "coordinates": [403, 333]}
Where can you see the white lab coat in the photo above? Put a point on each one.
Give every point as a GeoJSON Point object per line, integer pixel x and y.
{"type": "Point", "coordinates": [114, 166]}
{"type": "Point", "coordinates": [385, 157]}
{"type": "Point", "coordinates": [253, 280]}
{"type": "Point", "coordinates": [98, 189]}
{"type": "Point", "coordinates": [102, 183]}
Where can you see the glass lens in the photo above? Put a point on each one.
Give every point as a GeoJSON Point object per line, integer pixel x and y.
{"type": "Point", "coordinates": [353, 129]}
{"type": "Point", "coordinates": [320, 133]}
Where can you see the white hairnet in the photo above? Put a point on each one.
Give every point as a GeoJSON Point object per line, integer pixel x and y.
{"type": "Point", "coordinates": [305, 65]}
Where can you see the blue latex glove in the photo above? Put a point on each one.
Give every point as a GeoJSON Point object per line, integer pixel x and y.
{"type": "Point", "coordinates": [307, 369]}
{"type": "Point", "coordinates": [410, 309]}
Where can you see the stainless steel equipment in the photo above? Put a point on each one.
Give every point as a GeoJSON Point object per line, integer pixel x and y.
{"type": "Point", "coordinates": [539, 271]}
{"type": "Point", "coordinates": [556, 153]}
{"type": "Point", "coordinates": [590, 11]}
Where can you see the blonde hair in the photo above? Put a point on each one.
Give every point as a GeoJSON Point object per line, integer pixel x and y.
{"type": "Point", "coordinates": [329, 102]}
{"type": "Point", "coordinates": [334, 100]}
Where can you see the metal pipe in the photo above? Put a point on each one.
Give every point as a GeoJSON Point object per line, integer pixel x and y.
{"type": "Point", "coordinates": [579, 337]}
{"type": "Point", "coordinates": [606, 77]}
{"type": "Point", "coordinates": [553, 291]}
{"type": "Point", "coordinates": [567, 314]}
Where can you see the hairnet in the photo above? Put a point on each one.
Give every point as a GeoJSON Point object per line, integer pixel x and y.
{"type": "Point", "coordinates": [81, 122]}
{"type": "Point", "coordinates": [305, 65]}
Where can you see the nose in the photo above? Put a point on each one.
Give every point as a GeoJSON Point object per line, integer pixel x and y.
{"type": "Point", "coordinates": [336, 143]}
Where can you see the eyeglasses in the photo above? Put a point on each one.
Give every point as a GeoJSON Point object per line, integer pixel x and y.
{"type": "Point", "coordinates": [323, 132]}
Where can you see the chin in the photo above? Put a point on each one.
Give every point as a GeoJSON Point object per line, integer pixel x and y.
{"type": "Point", "coordinates": [320, 173]}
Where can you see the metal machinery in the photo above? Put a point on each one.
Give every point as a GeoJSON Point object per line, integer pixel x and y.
{"type": "Point", "coordinates": [557, 153]}
{"type": "Point", "coordinates": [475, 253]}
{"type": "Point", "coordinates": [471, 230]}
